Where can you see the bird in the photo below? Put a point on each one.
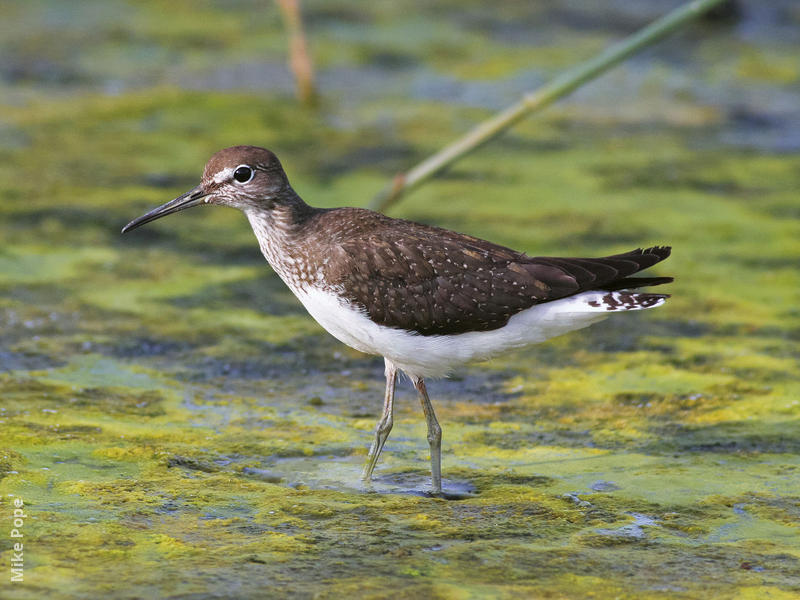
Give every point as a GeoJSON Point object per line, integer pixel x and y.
{"type": "Point", "coordinates": [426, 299]}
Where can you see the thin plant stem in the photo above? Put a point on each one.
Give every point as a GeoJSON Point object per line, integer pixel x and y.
{"type": "Point", "coordinates": [559, 87]}
{"type": "Point", "coordinates": [299, 57]}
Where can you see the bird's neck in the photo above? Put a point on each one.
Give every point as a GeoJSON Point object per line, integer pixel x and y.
{"type": "Point", "coordinates": [284, 217]}
{"type": "Point", "coordinates": [282, 234]}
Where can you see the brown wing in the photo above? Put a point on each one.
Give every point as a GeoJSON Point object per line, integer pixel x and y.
{"type": "Point", "coordinates": [436, 282]}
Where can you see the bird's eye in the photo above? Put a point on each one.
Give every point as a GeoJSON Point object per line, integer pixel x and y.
{"type": "Point", "coordinates": [243, 174]}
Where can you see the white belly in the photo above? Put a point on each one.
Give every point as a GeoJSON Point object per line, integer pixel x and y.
{"type": "Point", "coordinates": [437, 355]}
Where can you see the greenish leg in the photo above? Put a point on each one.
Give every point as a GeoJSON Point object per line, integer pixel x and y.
{"type": "Point", "coordinates": [385, 423]}
{"type": "Point", "coordinates": [434, 436]}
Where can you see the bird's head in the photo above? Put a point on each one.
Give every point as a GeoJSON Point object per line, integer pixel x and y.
{"type": "Point", "coordinates": [243, 177]}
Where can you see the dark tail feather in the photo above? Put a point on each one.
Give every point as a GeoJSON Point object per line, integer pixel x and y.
{"type": "Point", "coordinates": [644, 259]}
{"type": "Point", "coordinates": [611, 273]}
{"type": "Point", "coordinates": [647, 257]}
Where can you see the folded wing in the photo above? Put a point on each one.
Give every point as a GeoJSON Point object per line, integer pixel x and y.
{"type": "Point", "coordinates": [437, 282]}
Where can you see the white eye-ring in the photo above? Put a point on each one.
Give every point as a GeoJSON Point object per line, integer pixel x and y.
{"type": "Point", "coordinates": [243, 174]}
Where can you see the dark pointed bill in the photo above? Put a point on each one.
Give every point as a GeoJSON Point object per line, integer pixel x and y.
{"type": "Point", "coordinates": [187, 200]}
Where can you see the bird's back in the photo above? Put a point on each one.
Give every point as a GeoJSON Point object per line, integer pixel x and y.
{"type": "Point", "coordinates": [434, 281]}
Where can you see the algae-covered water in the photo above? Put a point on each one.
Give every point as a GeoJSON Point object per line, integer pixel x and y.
{"type": "Point", "coordinates": [174, 425]}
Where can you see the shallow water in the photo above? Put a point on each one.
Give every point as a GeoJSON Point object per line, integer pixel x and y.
{"type": "Point", "coordinates": [178, 427]}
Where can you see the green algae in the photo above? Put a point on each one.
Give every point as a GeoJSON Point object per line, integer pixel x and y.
{"type": "Point", "coordinates": [176, 425]}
